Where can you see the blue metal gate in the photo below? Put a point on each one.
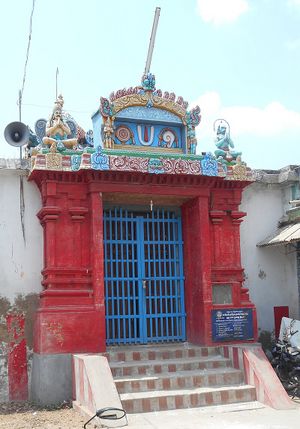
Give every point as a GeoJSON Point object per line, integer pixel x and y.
{"type": "Point", "coordinates": [144, 282]}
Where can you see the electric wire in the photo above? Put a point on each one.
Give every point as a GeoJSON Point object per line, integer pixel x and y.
{"type": "Point", "coordinates": [50, 107]}
{"type": "Point", "coordinates": [28, 50]}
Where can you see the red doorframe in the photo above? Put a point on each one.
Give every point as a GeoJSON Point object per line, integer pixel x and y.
{"type": "Point", "coordinates": [71, 316]}
{"type": "Point", "coordinates": [211, 234]}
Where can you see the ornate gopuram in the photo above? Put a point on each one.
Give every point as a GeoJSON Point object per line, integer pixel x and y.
{"type": "Point", "coordinates": [141, 231]}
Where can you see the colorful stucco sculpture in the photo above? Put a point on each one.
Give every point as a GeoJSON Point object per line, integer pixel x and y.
{"type": "Point", "coordinates": [136, 129]}
{"type": "Point", "coordinates": [224, 143]}
{"type": "Point", "coordinates": [57, 130]}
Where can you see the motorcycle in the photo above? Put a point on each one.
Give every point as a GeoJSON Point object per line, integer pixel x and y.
{"type": "Point", "coordinates": [286, 356]}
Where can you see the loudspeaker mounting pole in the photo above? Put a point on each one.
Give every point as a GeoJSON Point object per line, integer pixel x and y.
{"type": "Point", "coordinates": [56, 80]}
{"type": "Point", "coordinates": [20, 119]}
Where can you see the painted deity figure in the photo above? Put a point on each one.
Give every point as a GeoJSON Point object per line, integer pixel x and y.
{"type": "Point", "coordinates": [192, 119]}
{"type": "Point", "coordinates": [191, 134]}
{"type": "Point", "coordinates": [57, 130]}
{"type": "Point", "coordinates": [108, 131]}
{"type": "Point", "coordinates": [225, 144]}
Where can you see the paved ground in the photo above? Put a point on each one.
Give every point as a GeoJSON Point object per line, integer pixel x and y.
{"type": "Point", "coordinates": [242, 416]}
{"type": "Point", "coordinates": [219, 418]}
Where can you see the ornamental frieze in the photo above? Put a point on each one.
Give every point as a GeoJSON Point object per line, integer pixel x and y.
{"type": "Point", "coordinates": [107, 160]}
{"type": "Point", "coordinates": [127, 163]}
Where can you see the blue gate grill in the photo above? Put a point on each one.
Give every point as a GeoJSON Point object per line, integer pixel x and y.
{"type": "Point", "coordinates": [144, 282]}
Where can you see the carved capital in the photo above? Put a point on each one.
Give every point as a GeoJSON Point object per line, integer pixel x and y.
{"type": "Point", "coordinates": [237, 217]}
{"type": "Point", "coordinates": [48, 214]}
{"type": "Point", "coordinates": [78, 213]}
{"type": "Point", "coordinates": [217, 216]}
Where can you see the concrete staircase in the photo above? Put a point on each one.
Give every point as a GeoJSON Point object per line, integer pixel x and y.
{"type": "Point", "coordinates": [166, 377]}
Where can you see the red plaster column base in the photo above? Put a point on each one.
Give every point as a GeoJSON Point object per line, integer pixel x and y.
{"type": "Point", "coordinates": [17, 358]}
{"type": "Point", "coordinates": [69, 331]}
{"type": "Point", "coordinates": [199, 331]}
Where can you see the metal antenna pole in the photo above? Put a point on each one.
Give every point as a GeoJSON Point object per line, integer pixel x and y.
{"type": "Point", "coordinates": [20, 119]}
{"type": "Point", "coordinates": [152, 40]}
{"type": "Point", "coordinates": [56, 78]}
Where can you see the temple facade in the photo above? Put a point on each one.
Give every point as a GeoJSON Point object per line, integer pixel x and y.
{"type": "Point", "coordinates": [141, 234]}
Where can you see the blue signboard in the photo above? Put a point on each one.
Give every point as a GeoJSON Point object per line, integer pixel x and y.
{"type": "Point", "coordinates": [232, 324]}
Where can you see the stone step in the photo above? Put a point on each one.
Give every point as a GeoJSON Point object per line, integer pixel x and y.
{"type": "Point", "coordinates": [150, 352]}
{"type": "Point", "coordinates": [219, 416]}
{"type": "Point", "coordinates": [180, 380]}
{"type": "Point", "coordinates": [167, 377]}
{"type": "Point", "coordinates": [123, 369]}
{"type": "Point", "coordinates": [143, 402]}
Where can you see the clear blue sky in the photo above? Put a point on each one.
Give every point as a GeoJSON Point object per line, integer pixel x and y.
{"type": "Point", "coordinates": [238, 59]}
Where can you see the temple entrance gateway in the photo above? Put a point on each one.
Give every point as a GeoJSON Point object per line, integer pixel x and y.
{"type": "Point", "coordinates": [115, 271]}
{"type": "Point", "coordinates": [144, 282]}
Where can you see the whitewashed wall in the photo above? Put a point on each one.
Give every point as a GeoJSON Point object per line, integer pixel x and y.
{"type": "Point", "coordinates": [271, 272]}
{"type": "Point", "coordinates": [21, 257]}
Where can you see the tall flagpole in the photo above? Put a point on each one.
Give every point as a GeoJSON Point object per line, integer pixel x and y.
{"type": "Point", "coordinates": [152, 40]}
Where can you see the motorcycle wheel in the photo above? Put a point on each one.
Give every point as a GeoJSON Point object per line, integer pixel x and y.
{"type": "Point", "coordinates": [295, 391]}
{"type": "Point", "coordinates": [282, 374]}
{"type": "Point", "coordinates": [291, 383]}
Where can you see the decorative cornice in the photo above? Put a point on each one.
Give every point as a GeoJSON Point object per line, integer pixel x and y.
{"type": "Point", "coordinates": [131, 161]}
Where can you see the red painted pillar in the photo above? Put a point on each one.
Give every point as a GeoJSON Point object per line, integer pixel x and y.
{"type": "Point", "coordinates": [236, 220]}
{"type": "Point", "coordinates": [71, 316]}
{"type": "Point", "coordinates": [17, 358]}
{"type": "Point", "coordinates": [197, 257]}
{"type": "Point", "coordinates": [98, 258]}
{"type": "Point", "coordinates": [216, 217]}
{"type": "Point", "coordinates": [227, 271]}
{"type": "Point", "coordinates": [212, 259]}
